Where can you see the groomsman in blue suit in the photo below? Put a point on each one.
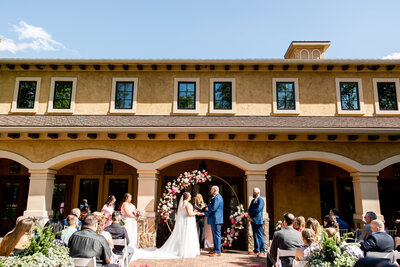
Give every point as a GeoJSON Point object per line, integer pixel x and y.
{"type": "Point", "coordinates": [256, 218]}
{"type": "Point", "coordinates": [215, 218]}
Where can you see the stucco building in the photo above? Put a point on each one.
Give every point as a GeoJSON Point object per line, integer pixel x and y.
{"type": "Point", "coordinates": [311, 133]}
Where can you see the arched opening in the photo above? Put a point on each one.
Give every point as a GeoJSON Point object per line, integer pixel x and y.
{"type": "Point", "coordinates": [14, 188]}
{"type": "Point", "coordinates": [94, 180]}
{"type": "Point", "coordinates": [389, 188]}
{"type": "Point", "coordinates": [231, 174]}
{"type": "Point", "coordinates": [309, 188]}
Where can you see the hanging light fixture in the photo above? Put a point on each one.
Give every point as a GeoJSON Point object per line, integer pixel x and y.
{"type": "Point", "coordinates": [202, 166]}
{"type": "Point", "coordinates": [299, 169]}
{"type": "Point", "coordinates": [396, 170]}
{"type": "Point", "coordinates": [15, 168]}
{"type": "Point", "coordinates": [108, 167]}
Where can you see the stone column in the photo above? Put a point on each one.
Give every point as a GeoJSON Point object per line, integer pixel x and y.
{"type": "Point", "coordinates": [146, 196]}
{"type": "Point", "coordinates": [40, 195]}
{"type": "Point", "coordinates": [256, 178]}
{"type": "Point", "coordinates": [366, 195]}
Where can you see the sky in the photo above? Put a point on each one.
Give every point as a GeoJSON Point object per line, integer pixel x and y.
{"type": "Point", "coordinates": [188, 29]}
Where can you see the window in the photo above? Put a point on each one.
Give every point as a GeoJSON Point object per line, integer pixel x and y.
{"type": "Point", "coordinates": [386, 92]}
{"type": "Point", "coordinates": [223, 95]}
{"type": "Point", "coordinates": [62, 95]}
{"type": "Point", "coordinates": [349, 96]}
{"type": "Point", "coordinates": [285, 96]}
{"type": "Point", "coordinates": [124, 95]}
{"type": "Point", "coordinates": [186, 95]}
{"type": "Point", "coordinates": [26, 95]}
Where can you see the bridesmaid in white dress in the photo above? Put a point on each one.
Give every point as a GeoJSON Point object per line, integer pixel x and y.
{"type": "Point", "coordinates": [108, 209]}
{"type": "Point", "coordinates": [127, 209]}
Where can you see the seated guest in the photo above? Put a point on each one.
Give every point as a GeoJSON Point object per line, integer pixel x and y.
{"type": "Point", "coordinates": [314, 225]}
{"type": "Point", "coordinates": [288, 239]}
{"type": "Point", "coordinates": [87, 243]}
{"type": "Point", "coordinates": [331, 227]}
{"type": "Point", "coordinates": [56, 227]}
{"type": "Point", "coordinates": [77, 213]}
{"type": "Point", "coordinates": [308, 237]}
{"type": "Point", "coordinates": [70, 229]}
{"type": "Point", "coordinates": [18, 239]}
{"type": "Point", "coordinates": [372, 262]}
{"type": "Point", "coordinates": [366, 231]}
{"type": "Point", "coordinates": [342, 224]}
{"type": "Point", "coordinates": [299, 223]}
{"type": "Point", "coordinates": [379, 241]}
{"type": "Point", "coordinates": [397, 235]}
{"type": "Point", "coordinates": [101, 221]}
{"type": "Point", "coordinates": [117, 231]}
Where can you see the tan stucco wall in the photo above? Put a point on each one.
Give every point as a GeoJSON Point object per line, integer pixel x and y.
{"type": "Point", "coordinates": [286, 194]}
{"type": "Point", "coordinates": [253, 152]}
{"type": "Point", "coordinates": [155, 90]}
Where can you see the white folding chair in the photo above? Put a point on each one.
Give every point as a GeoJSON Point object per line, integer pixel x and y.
{"type": "Point", "coordinates": [84, 262]}
{"type": "Point", "coordinates": [299, 263]}
{"type": "Point", "coordinates": [124, 257]}
{"type": "Point", "coordinates": [284, 253]}
{"type": "Point", "coordinates": [383, 255]}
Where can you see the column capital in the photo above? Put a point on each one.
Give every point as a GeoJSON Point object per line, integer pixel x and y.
{"type": "Point", "coordinates": [365, 177]}
{"type": "Point", "coordinates": [364, 174]}
{"type": "Point", "coordinates": [148, 174]}
{"type": "Point", "coordinates": [256, 175]}
{"type": "Point", "coordinates": [42, 174]}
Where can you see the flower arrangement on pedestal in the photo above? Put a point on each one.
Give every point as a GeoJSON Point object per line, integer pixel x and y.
{"type": "Point", "coordinates": [279, 225]}
{"type": "Point", "coordinates": [175, 187]}
{"type": "Point", "coordinates": [237, 220]}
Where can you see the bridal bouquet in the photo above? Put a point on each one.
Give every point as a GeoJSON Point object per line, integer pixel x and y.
{"type": "Point", "coordinates": [138, 213]}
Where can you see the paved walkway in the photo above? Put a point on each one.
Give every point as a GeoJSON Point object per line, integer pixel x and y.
{"type": "Point", "coordinates": [229, 258]}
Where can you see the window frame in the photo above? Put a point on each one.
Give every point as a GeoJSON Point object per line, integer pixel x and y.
{"type": "Point", "coordinates": [50, 108]}
{"type": "Point", "coordinates": [212, 110]}
{"type": "Point", "coordinates": [175, 108]}
{"type": "Point", "coordinates": [340, 111]}
{"type": "Point", "coordinates": [35, 108]}
{"type": "Point", "coordinates": [275, 109]}
{"type": "Point", "coordinates": [378, 111]}
{"type": "Point", "coordinates": [132, 110]}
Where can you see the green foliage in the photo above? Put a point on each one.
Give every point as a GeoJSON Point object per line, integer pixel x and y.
{"type": "Point", "coordinates": [41, 252]}
{"type": "Point", "coordinates": [331, 253]}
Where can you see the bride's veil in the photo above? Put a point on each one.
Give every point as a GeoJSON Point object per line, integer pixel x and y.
{"type": "Point", "coordinates": [179, 218]}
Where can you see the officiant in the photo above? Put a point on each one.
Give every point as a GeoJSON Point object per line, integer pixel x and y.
{"type": "Point", "coordinates": [200, 206]}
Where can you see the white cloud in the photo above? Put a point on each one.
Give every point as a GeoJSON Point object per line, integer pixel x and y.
{"type": "Point", "coordinates": [392, 56]}
{"type": "Point", "coordinates": [30, 37]}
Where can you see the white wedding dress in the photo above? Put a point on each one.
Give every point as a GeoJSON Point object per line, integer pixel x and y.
{"type": "Point", "coordinates": [180, 243]}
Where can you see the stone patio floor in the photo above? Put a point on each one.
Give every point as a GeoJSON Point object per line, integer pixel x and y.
{"type": "Point", "coordinates": [228, 258]}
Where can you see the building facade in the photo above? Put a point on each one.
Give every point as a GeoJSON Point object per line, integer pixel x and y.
{"type": "Point", "coordinates": [311, 133]}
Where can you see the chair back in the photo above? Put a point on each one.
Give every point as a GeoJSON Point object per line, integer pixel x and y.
{"type": "Point", "coordinates": [299, 263]}
{"type": "Point", "coordinates": [286, 253]}
{"type": "Point", "coordinates": [392, 256]}
{"type": "Point", "coordinates": [119, 242]}
{"type": "Point", "coordinates": [123, 259]}
{"type": "Point", "coordinates": [84, 262]}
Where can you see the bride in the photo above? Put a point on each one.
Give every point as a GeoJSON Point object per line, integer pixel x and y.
{"type": "Point", "coordinates": [180, 243]}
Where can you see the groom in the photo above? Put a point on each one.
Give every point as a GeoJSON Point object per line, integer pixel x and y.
{"type": "Point", "coordinates": [215, 218]}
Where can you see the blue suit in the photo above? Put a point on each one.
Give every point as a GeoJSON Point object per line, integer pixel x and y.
{"type": "Point", "coordinates": [215, 218]}
{"type": "Point", "coordinates": [256, 213]}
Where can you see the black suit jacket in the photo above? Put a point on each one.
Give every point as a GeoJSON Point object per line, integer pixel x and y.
{"type": "Point", "coordinates": [378, 241]}
{"type": "Point", "coordinates": [117, 232]}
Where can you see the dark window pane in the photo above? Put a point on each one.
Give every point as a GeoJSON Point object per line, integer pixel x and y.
{"type": "Point", "coordinates": [387, 96]}
{"type": "Point", "coordinates": [124, 95]}
{"type": "Point", "coordinates": [349, 96]}
{"type": "Point", "coordinates": [62, 95]}
{"type": "Point", "coordinates": [285, 95]}
{"type": "Point", "coordinates": [186, 95]}
{"type": "Point", "coordinates": [118, 187]}
{"type": "Point", "coordinates": [9, 201]}
{"type": "Point", "coordinates": [59, 195]}
{"type": "Point", "coordinates": [26, 94]}
{"type": "Point", "coordinates": [222, 95]}
{"type": "Point", "coordinates": [89, 190]}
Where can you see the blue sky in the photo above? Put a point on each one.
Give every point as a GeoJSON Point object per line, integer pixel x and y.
{"type": "Point", "coordinates": [206, 29]}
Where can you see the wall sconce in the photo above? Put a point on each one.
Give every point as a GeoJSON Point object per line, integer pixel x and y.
{"type": "Point", "coordinates": [299, 169]}
{"type": "Point", "coordinates": [15, 168]}
{"type": "Point", "coordinates": [396, 170]}
{"type": "Point", "coordinates": [202, 166]}
{"type": "Point", "coordinates": [108, 167]}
